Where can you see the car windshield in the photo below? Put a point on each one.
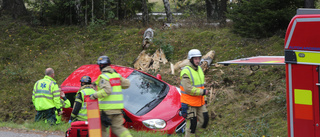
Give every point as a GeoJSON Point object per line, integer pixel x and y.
{"type": "Point", "coordinates": [144, 93]}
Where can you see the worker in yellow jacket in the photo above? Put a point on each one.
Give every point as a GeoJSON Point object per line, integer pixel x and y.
{"type": "Point", "coordinates": [192, 94]}
{"type": "Point", "coordinates": [110, 85]}
{"type": "Point", "coordinates": [46, 97]}
{"type": "Point", "coordinates": [65, 103]}
{"type": "Point", "coordinates": [79, 112]}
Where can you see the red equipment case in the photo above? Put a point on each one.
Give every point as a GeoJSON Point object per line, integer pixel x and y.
{"type": "Point", "coordinates": [78, 129]}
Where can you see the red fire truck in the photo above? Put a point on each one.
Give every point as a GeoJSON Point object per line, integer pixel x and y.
{"type": "Point", "coordinates": [302, 60]}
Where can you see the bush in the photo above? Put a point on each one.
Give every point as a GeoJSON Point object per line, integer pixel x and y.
{"type": "Point", "coordinates": [262, 18]}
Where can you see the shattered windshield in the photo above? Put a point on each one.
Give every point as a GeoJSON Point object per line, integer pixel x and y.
{"type": "Point", "coordinates": [144, 93]}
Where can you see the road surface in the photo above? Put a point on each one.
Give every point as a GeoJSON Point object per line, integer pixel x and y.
{"type": "Point", "coordinates": [9, 132]}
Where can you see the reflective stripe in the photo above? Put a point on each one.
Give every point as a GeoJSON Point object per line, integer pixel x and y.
{"type": "Point", "coordinates": [290, 99]}
{"type": "Point", "coordinates": [82, 114]}
{"type": "Point", "coordinates": [78, 100]}
{"type": "Point", "coordinates": [50, 86]}
{"type": "Point", "coordinates": [41, 96]}
{"type": "Point", "coordinates": [84, 93]}
{"type": "Point", "coordinates": [116, 93]}
{"type": "Point", "coordinates": [64, 104]}
{"type": "Point", "coordinates": [105, 75]}
{"type": "Point", "coordinates": [43, 92]}
{"type": "Point", "coordinates": [191, 76]}
{"type": "Point", "coordinates": [307, 57]}
{"type": "Point", "coordinates": [110, 102]}
{"type": "Point", "coordinates": [84, 106]}
{"type": "Point", "coordinates": [291, 33]}
{"type": "Point", "coordinates": [201, 85]}
{"type": "Point", "coordinates": [37, 86]}
{"type": "Point", "coordinates": [108, 76]}
{"type": "Point", "coordinates": [303, 97]}
{"type": "Point", "coordinates": [55, 91]}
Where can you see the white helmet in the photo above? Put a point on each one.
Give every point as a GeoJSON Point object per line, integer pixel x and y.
{"type": "Point", "coordinates": [194, 53]}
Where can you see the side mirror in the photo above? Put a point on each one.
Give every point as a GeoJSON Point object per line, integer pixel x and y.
{"type": "Point", "coordinates": [159, 76]}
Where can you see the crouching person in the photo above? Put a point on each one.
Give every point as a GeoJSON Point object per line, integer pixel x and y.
{"type": "Point", "coordinates": [79, 112]}
{"type": "Point", "coordinates": [64, 103]}
{"type": "Point", "coordinates": [109, 94]}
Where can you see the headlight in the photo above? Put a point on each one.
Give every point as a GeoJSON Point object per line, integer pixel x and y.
{"type": "Point", "coordinates": [154, 123]}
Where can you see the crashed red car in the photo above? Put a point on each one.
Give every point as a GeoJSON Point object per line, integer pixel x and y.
{"type": "Point", "coordinates": [149, 103]}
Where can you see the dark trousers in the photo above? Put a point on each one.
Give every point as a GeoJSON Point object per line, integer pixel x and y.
{"type": "Point", "coordinates": [48, 114]}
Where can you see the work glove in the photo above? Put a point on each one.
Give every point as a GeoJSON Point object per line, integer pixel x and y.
{"type": "Point", "coordinates": [92, 97]}
{"type": "Point", "coordinates": [60, 113]}
{"type": "Point", "coordinates": [205, 92]}
{"type": "Point", "coordinates": [58, 110]}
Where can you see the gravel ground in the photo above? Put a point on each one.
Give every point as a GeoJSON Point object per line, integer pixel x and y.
{"type": "Point", "coordinates": [10, 132]}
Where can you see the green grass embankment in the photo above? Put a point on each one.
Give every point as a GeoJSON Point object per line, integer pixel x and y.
{"type": "Point", "coordinates": [247, 103]}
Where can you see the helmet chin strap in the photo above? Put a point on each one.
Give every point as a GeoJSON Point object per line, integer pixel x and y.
{"type": "Point", "coordinates": [102, 66]}
{"type": "Point", "coordinates": [196, 66]}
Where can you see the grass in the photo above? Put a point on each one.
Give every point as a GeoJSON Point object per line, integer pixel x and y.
{"type": "Point", "coordinates": [41, 126]}
{"type": "Point", "coordinates": [159, 7]}
{"type": "Point", "coordinates": [246, 102]}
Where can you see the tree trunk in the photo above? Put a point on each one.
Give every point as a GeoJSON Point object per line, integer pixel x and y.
{"type": "Point", "coordinates": [223, 10]}
{"type": "Point", "coordinates": [14, 7]}
{"type": "Point", "coordinates": [70, 12]}
{"type": "Point", "coordinates": [121, 11]}
{"type": "Point", "coordinates": [86, 14]}
{"type": "Point", "coordinates": [309, 4]}
{"type": "Point", "coordinates": [145, 16]}
{"type": "Point", "coordinates": [92, 15]}
{"type": "Point", "coordinates": [168, 12]}
{"type": "Point", "coordinates": [212, 10]}
{"type": "Point", "coordinates": [79, 12]}
{"type": "Point", "coordinates": [104, 10]}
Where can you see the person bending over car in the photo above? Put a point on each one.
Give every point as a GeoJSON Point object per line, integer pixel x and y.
{"type": "Point", "coordinates": [193, 106]}
{"type": "Point", "coordinates": [110, 85]}
{"type": "Point", "coordinates": [79, 112]}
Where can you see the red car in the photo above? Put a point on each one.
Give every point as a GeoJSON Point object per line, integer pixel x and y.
{"type": "Point", "coordinates": [149, 103]}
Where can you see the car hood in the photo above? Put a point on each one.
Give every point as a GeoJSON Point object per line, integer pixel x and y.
{"type": "Point", "coordinates": [168, 108]}
{"type": "Point", "coordinates": [92, 70]}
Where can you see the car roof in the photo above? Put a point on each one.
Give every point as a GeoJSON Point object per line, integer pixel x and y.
{"type": "Point", "coordinates": [92, 70]}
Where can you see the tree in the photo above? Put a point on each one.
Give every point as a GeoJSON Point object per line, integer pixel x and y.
{"type": "Point", "coordinates": [309, 4]}
{"type": "Point", "coordinates": [212, 10]}
{"type": "Point", "coordinates": [216, 10]}
{"type": "Point", "coordinates": [145, 16]}
{"type": "Point", "coordinates": [262, 18]}
{"type": "Point", "coordinates": [16, 8]}
{"type": "Point", "coordinates": [168, 11]}
{"type": "Point", "coordinates": [223, 10]}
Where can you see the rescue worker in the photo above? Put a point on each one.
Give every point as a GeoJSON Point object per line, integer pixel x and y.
{"type": "Point", "coordinates": [46, 97]}
{"type": "Point", "coordinates": [64, 103]}
{"type": "Point", "coordinates": [109, 94]}
{"type": "Point", "coordinates": [79, 112]}
{"type": "Point", "coordinates": [193, 106]}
